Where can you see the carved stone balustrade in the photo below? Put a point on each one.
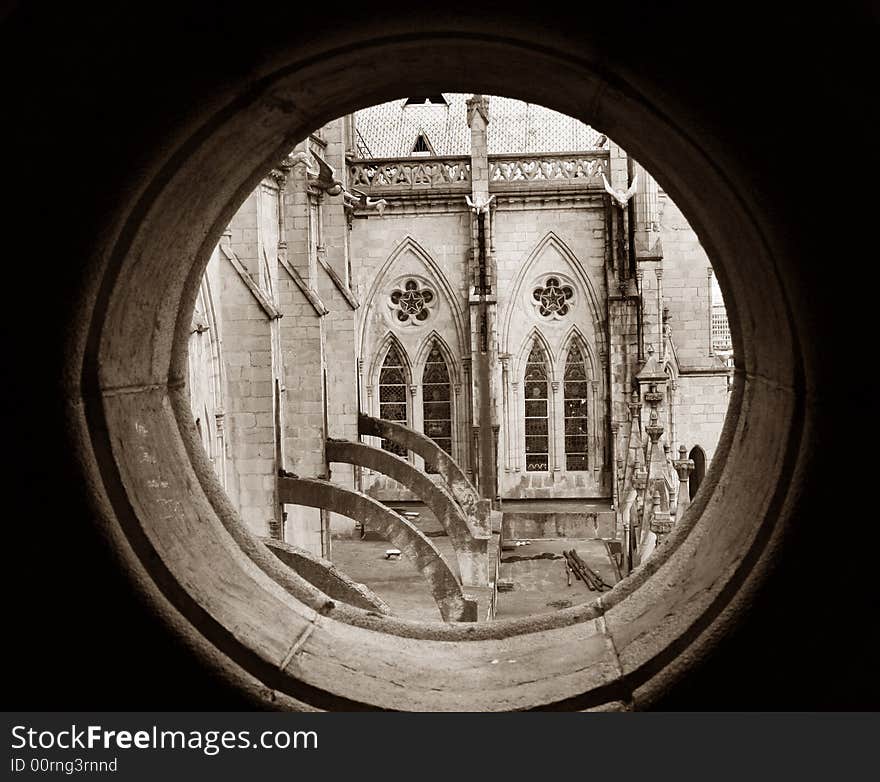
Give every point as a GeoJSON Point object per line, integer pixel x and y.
{"type": "Point", "coordinates": [396, 176]}
{"type": "Point", "coordinates": [568, 170]}
{"type": "Point", "coordinates": [507, 173]}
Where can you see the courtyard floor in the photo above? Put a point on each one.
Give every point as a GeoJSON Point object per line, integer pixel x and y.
{"type": "Point", "coordinates": [536, 572]}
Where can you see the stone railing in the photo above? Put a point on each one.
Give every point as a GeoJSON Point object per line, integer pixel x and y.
{"type": "Point", "coordinates": [402, 176]}
{"type": "Point", "coordinates": [571, 169]}
{"type": "Point", "coordinates": [395, 175]}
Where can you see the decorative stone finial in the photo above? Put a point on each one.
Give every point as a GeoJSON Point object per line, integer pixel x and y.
{"type": "Point", "coordinates": [653, 429]}
{"type": "Point", "coordinates": [652, 396]}
{"type": "Point", "coordinates": [655, 500]}
{"type": "Point", "coordinates": [477, 103]}
{"type": "Point", "coordinates": [634, 404]}
{"type": "Point", "coordinates": [683, 466]}
{"type": "Point", "coordinates": [639, 478]}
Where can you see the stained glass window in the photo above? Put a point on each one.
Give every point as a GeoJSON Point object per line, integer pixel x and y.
{"type": "Point", "coordinates": [576, 395]}
{"type": "Point", "coordinates": [437, 400]}
{"type": "Point", "coordinates": [537, 418]}
{"type": "Point", "coordinates": [392, 394]}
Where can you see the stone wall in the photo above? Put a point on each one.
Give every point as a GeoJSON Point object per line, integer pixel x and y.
{"type": "Point", "coordinates": [561, 238]}
{"type": "Point", "coordinates": [432, 249]}
{"type": "Point", "coordinates": [250, 406]}
{"type": "Point", "coordinates": [686, 287]}
{"type": "Point", "coordinates": [700, 405]}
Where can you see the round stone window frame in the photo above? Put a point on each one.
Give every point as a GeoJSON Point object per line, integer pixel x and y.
{"type": "Point", "coordinates": [268, 631]}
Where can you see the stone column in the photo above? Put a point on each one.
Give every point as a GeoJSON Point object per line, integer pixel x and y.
{"type": "Point", "coordinates": [661, 521]}
{"type": "Point", "coordinates": [684, 467]}
{"type": "Point", "coordinates": [302, 355]}
{"type": "Point", "coordinates": [482, 301]}
{"type": "Point", "coordinates": [557, 450]}
{"type": "Point", "coordinates": [506, 415]}
{"type": "Point", "coordinates": [593, 444]}
{"type": "Point", "coordinates": [415, 420]}
{"type": "Point", "coordinates": [660, 341]}
{"type": "Point", "coordinates": [616, 464]}
{"type": "Point", "coordinates": [514, 433]}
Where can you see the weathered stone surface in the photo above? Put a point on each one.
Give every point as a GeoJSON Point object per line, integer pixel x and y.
{"type": "Point", "coordinates": [558, 524]}
{"type": "Point", "coordinates": [470, 551]}
{"type": "Point", "coordinates": [436, 458]}
{"type": "Point", "coordinates": [454, 606]}
{"type": "Point", "coordinates": [322, 574]}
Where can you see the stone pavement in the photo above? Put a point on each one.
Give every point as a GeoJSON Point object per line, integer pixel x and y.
{"type": "Point", "coordinates": [537, 571]}
{"type": "Point", "coordinates": [538, 575]}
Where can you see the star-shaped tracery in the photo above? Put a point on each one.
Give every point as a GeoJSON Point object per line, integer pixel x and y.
{"type": "Point", "coordinates": [553, 298]}
{"type": "Point", "coordinates": [411, 302]}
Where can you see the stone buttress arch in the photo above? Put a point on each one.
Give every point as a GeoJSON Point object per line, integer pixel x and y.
{"type": "Point", "coordinates": [444, 585]}
{"type": "Point", "coordinates": [459, 485]}
{"type": "Point", "coordinates": [324, 575]}
{"type": "Point", "coordinates": [470, 551]}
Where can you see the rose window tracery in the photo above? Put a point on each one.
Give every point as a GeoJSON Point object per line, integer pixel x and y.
{"type": "Point", "coordinates": [412, 303]}
{"type": "Point", "coordinates": [553, 299]}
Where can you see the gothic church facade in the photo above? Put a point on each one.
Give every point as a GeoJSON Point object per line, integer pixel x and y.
{"type": "Point", "coordinates": [501, 278]}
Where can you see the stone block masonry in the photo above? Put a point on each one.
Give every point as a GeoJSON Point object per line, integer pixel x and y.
{"type": "Point", "coordinates": [250, 405]}
{"type": "Point", "coordinates": [686, 287]}
{"type": "Point", "coordinates": [701, 402]}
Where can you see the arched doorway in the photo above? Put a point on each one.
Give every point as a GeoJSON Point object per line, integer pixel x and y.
{"type": "Point", "coordinates": [698, 455]}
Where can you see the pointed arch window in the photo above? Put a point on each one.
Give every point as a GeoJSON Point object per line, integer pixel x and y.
{"type": "Point", "coordinates": [392, 394]}
{"type": "Point", "coordinates": [537, 416]}
{"type": "Point", "coordinates": [437, 400]}
{"type": "Point", "coordinates": [576, 390]}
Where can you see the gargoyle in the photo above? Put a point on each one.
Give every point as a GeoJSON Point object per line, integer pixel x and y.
{"type": "Point", "coordinates": [622, 197]}
{"type": "Point", "coordinates": [326, 179]}
{"type": "Point", "coordinates": [301, 157]}
{"type": "Point", "coordinates": [480, 206]}
{"type": "Point", "coordinates": [359, 199]}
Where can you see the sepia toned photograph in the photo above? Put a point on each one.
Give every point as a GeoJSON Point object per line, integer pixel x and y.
{"type": "Point", "coordinates": [439, 359]}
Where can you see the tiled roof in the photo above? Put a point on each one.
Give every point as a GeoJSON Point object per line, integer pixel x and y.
{"type": "Point", "coordinates": [391, 129]}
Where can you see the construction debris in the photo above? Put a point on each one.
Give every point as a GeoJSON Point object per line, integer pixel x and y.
{"type": "Point", "coordinates": [583, 572]}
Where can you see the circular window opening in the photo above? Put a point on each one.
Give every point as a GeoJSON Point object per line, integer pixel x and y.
{"type": "Point", "coordinates": [271, 631]}
{"type": "Point", "coordinates": [303, 328]}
